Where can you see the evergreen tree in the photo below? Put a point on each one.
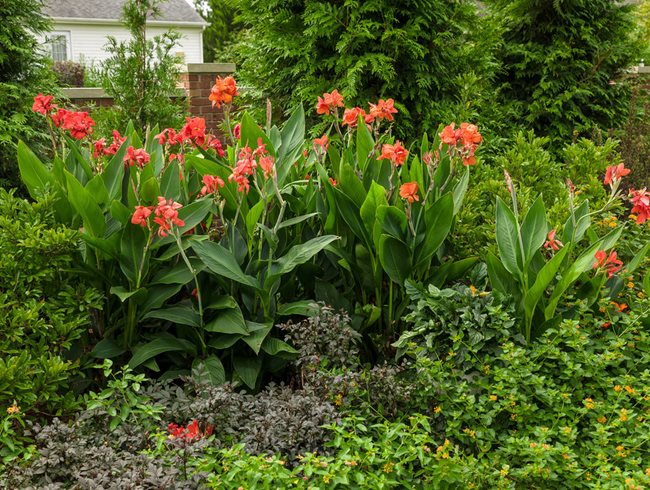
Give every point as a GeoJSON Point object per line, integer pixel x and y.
{"type": "Point", "coordinates": [563, 62]}
{"type": "Point", "coordinates": [223, 28]}
{"type": "Point", "coordinates": [419, 52]}
{"type": "Point", "coordinates": [24, 71]}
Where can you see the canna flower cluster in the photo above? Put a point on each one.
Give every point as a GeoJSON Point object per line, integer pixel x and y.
{"type": "Point", "coordinates": [78, 124]}
{"type": "Point", "coordinates": [100, 148]}
{"type": "Point", "coordinates": [610, 263]}
{"type": "Point", "coordinates": [551, 243]}
{"type": "Point", "coordinates": [223, 91]}
{"type": "Point", "coordinates": [165, 216]}
{"type": "Point", "coordinates": [615, 173]}
{"type": "Point", "coordinates": [137, 157]}
{"type": "Point", "coordinates": [193, 132]}
{"type": "Point", "coordinates": [43, 104]}
{"type": "Point", "coordinates": [329, 103]}
{"type": "Point", "coordinates": [211, 184]}
{"type": "Point", "coordinates": [248, 160]}
{"type": "Point", "coordinates": [190, 433]}
{"type": "Point", "coordinates": [640, 204]}
{"type": "Point", "coordinates": [468, 137]}
{"type": "Point", "coordinates": [396, 153]}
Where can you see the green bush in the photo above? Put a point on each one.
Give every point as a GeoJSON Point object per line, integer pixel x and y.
{"type": "Point", "coordinates": [24, 71]}
{"type": "Point", "coordinates": [44, 311]}
{"type": "Point", "coordinates": [569, 410]}
{"type": "Point", "coordinates": [429, 55]}
{"type": "Point", "coordinates": [563, 63]}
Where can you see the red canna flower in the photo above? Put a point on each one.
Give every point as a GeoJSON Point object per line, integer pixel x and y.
{"type": "Point", "coordinates": [59, 116]}
{"type": "Point", "coordinates": [409, 191]}
{"type": "Point", "coordinates": [396, 153]}
{"type": "Point", "coordinates": [43, 104]}
{"type": "Point", "coordinates": [329, 102]}
{"type": "Point", "coordinates": [194, 130]}
{"type": "Point", "coordinates": [640, 204]}
{"type": "Point", "coordinates": [609, 263]}
{"type": "Point", "coordinates": [190, 433]}
{"type": "Point", "coordinates": [469, 134]}
{"type": "Point", "coordinates": [322, 143]}
{"type": "Point", "coordinates": [244, 168]}
{"type": "Point", "coordinates": [212, 184]}
{"type": "Point", "coordinates": [79, 124]}
{"type": "Point", "coordinates": [223, 91]}
{"type": "Point", "coordinates": [141, 215]}
{"type": "Point", "coordinates": [351, 116]}
{"type": "Point", "coordinates": [551, 242]}
{"type": "Point", "coordinates": [448, 135]}
{"type": "Point", "coordinates": [236, 131]}
{"type": "Point", "coordinates": [333, 182]}
{"type": "Point", "coordinates": [116, 144]}
{"type": "Point", "coordinates": [215, 144]}
{"type": "Point", "coordinates": [384, 109]}
{"type": "Point", "coordinates": [615, 173]}
{"type": "Point", "coordinates": [167, 215]}
{"type": "Point", "coordinates": [99, 147]}
{"type": "Point", "coordinates": [137, 157]}
{"type": "Point", "coordinates": [168, 136]}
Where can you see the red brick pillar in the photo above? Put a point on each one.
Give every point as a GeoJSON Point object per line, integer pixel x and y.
{"type": "Point", "coordinates": [198, 80]}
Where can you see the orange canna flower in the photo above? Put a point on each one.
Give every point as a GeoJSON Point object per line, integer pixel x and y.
{"type": "Point", "coordinates": [329, 102]}
{"type": "Point", "coordinates": [384, 109]}
{"type": "Point", "coordinates": [351, 116]}
{"type": "Point", "coordinates": [223, 91]}
{"type": "Point", "coordinates": [396, 153]}
{"type": "Point", "coordinates": [322, 143]}
{"type": "Point", "coordinates": [409, 191]}
{"type": "Point", "coordinates": [640, 205]}
{"type": "Point", "coordinates": [615, 172]}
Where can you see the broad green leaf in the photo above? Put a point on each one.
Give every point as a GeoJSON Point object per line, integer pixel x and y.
{"type": "Point", "coordinates": [159, 346]}
{"type": "Point", "coordinates": [296, 220]}
{"type": "Point", "coordinates": [222, 303]}
{"type": "Point", "coordinates": [544, 278]}
{"type": "Point", "coordinates": [253, 216]}
{"type": "Point", "coordinates": [170, 183]}
{"type": "Point", "coordinates": [349, 211]}
{"type": "Point", "coordinates": [179, 273]}
{"type": "Point", "coordinates": [273, 347]}
{"type": "Point", "coordinates": [437, 219]}
{"type": "Point", "coordinates": [157, 296]}
{"type": "Point", "coordinates": [376, 197]}
{"type": "Point", "coordinates": [395, 257]}
{"type": "Point", "coordinates": [500, 279]}
{"type": "Point", "coordinates": [220, 261]}
{"type": "Point", "coordinates": [209, 370]}
{"type": "Point", "coordinates": [392, 221]}
{"type": "Point", "coordinates": [33, 173]}
{"type": "Point", "coordinates": [230, 321]}
{"type": "Point", "coordinates": [258, 332]}
{"type": "Point", "coordinates": [582, 223]}
{"type": "Point", "coordinates": [452, 271]}
{"type": "Point", "coordinates": [113, 173]}
{"type": "Point", "coordinates": [150, 190]}
{"type": "Point", "coordinates": [293, 137]}
{"type": "Point", "coordinates": [132, 253]}
{"type": "Point", "coordinates": [460, 190]}
{"type": "Point", "coordinates": [90, 212]}
{"type": "Point", "coordinates": [299, 254]}
{"type": "Point", "coordinates": [182, 315]}
{"type": "Point", "coordinates": [121, 213]}
{"type": "Point", "coordinates": [124, 294]}
{"type": "Point", "coordinates": [365, 145]}
{"type": "Point", "coordinates": [106, 349]}
{"type": "Point", "coordinates": [638, 258]}
{"type": "Point", "coordinates": [251, 133]}
{"type": "Point", "coordinates": [508, 239]}
{"type": "Point", "coordinates": [224, 341]}
{"type": "Point", "coordinates": [350, 184]}
{"type": "Point", "coordinates": [304, 308]}
{"type": "Point", "coordinates": [248, 369]}
{"type": "Point", "coordinates": [97, 190]}
{"type": "Point", "coordinates": [533, 229]}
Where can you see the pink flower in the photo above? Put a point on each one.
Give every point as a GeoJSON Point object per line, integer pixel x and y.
{"type": "Point", "coordinates": [551, 242]}
{"type": "Point", "coordinates": [215, 144]}
{"type": "Point", "coordinates": [640, 204]}
{"type": "Point", "coordinates": [137, 157]}
{"type": "Point", "coordinates": [237, 131]}
{"type": "Point", "coordinates": [212, 184]}
{"type": "Point", "coordinates": [167, 215]}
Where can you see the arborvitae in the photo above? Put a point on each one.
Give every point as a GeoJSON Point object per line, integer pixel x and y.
{"type": "Point", "coordinates": [563, 62]}
{"type": "Point", "coordinates": [24, 71]}
{"type": "Point", "coordinates": [419, 52]}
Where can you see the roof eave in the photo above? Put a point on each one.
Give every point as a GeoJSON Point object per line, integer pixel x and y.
{"type": "Point", "coordinates": [169, 23]}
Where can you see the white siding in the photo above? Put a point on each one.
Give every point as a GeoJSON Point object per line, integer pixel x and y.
{"type": "Point", "coordinates": [87, 41]}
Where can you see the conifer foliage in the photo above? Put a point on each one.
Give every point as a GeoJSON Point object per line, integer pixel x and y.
{"type": "Point", "coordinates": [295, 50]}
{"type": "Point", "coordinates": [563, 62]}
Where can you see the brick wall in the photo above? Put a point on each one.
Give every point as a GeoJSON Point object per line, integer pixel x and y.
{"type": "Point", "coordinates": [197, 80]}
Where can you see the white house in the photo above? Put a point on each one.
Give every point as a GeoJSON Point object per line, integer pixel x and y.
{"type": "Point", "coordinates": [80, 29]}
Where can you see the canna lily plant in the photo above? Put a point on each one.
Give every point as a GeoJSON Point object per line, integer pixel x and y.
{"type": "Point", "coordinates": [537, 269]}
{"type": "Point", "coordinates": [193, 244]}
{"type": "Point", "coordinates": [393, 208]}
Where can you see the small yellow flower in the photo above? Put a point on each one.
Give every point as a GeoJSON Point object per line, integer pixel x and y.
{"type": "Point", "coordinates": [513, 416]}
{"type": "Point", "coordinates": [612, 224]}
{"type": "Point", "coordinates": [623, 415]}
{"type": "Point", "coordinates": [493, 398]}
{"type": "Point", "coordinates": [589, 403]}
{"type": "Point", "coordinates": [546, 447]}
{"type": "Point", "coordinates": [469, 432]}
{"type": "Point", "coordinates": [629, 389]}
{"type": "Point", "coordinates": [647, 471]}
{"type": "Point", "coordinates": [327, 478]}
{"type": "Point", "coordinates": [350, 463]}
{"type": "Point", "coordinates": [533, 444]}
{"type": "Point", "coordinates": [437, 409]}
{"type": "Point", "coordinates": [602, 419]}
{"type": "Point", "coordinates": [13, 409]}
{"type": "Point", "coordinates": [565, 456]}
{"type": "Point", "coordinates": [388, 467]}
{"type": "Point", "coordinates": [504, 471]}
{"type": "Point", "coordinates": [566, 430]}
{"type": "Point", "coordinates": [630, 285]}
{"type": "Point", "coordinates": [603, 309]}
{"type": "Point", "coordinates": [338, 400]}
{"type": "Point", "coordinates": [640, 295]}
{"type": "Point", "coordinates": [617, 388]}
{"type": "Point", "coordinates": [486, 368]}
{"type": "Point", "coordinates": [473, 290]}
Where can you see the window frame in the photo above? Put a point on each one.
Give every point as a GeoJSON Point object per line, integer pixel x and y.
{"type": "Point", "coordinates": [68, 45]}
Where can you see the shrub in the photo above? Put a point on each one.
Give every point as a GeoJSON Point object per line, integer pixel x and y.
{"type": "Point", "coordinates": [69, 73]}
{"type": "Point", "coordinates": [24, 71]}
{"type": "Point", "coordinates": [141, 74]}
{"type": "Point", "coordinates": [567, 410]}
{"type": "Point", "coordinates": [563, 62]}
{"type": "Point", "coordinates": [635, 134]}
{"type": "Point", "coordinates": [45, 310]}
{"type": "Point", "coordinates": [423, 52]}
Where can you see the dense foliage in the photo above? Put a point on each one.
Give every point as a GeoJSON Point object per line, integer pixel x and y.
{"type": "Point", "coordinates": [24, 71]}
{"type": "Point", "coordinates": [424, 51]}
{"type": "Point", "coordinates": [223, 30]}
{"type": "Point", "coordinates": [141, 74]}
{"type": "Point", "coordinates": [563, 63]}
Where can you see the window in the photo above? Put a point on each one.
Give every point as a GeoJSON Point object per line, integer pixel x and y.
{"type": "Point", "coordinates": [59, 45]}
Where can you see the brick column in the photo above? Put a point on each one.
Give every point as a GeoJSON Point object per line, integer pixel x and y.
{"type": "Point", "coordinates": [198, 80]}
